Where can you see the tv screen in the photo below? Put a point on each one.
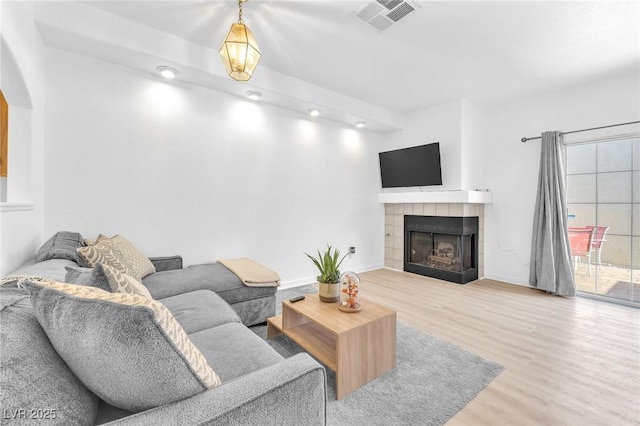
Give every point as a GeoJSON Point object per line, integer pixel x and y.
{"type": "Point", "coordinates": [415, 166]}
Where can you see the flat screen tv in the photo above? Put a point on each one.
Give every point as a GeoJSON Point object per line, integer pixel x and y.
{"type": "Point", "coordinates": [415, 166]}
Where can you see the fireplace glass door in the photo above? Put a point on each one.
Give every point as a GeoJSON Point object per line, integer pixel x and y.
{"type": "Point", "coordinates": [441, 251]}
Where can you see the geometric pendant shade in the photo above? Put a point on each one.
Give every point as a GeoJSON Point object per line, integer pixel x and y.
{"type": "Point", "coordinates": [239, 51]}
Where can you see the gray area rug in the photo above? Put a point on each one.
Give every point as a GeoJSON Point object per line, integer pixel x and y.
{"type": "Point", "coordinates": [433, 379]}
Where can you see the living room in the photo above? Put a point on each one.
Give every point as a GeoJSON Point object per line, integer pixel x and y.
{"type": "Point", "coordinates": [101, 144]}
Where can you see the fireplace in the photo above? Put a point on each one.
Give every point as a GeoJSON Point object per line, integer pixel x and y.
{"type": "Point", "coordinates": [442, 247]}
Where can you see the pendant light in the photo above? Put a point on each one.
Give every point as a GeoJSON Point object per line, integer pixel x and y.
{"type": "Point", "coordinates": [239, 51]}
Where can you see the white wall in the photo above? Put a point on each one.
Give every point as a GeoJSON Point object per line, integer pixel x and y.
{"type": "Point", "coordinates": [459, 127]}
{"type": "Point", "coordinates": [472, 147]}
{"type": "Point", "coordinates": [512, 167]}
{"type": "Point", "coordinates": [22, 83]}
{"type": "Point", "coordinates": [179, 169]}
{"type": "Point", "coordinates": [440, 123]}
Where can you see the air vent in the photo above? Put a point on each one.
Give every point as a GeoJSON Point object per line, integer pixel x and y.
{"type": "Point", "coordinates": [382, 14]}
{"type": "Point", "coordinates": [389, 4]}
{"type": "Point", "coordinates": [400, 12]}
{"type": "Point", "coordinates": [380, 22]}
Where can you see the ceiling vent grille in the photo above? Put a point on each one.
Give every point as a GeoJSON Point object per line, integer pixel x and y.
{"type": "Point", "coordinates": [382, 14]}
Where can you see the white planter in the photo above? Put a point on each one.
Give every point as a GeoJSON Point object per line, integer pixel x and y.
{"type": "Point", "coordinates": [329, 293]}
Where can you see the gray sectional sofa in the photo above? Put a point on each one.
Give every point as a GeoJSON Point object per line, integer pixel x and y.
{"type": "Point", "coordinates": [253, 304]}
{"type": "Point", "coordinates": [259, 387]}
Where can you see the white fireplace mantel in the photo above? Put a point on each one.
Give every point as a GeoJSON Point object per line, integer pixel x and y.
{"type": "Point", "coordinates": [465, 197]}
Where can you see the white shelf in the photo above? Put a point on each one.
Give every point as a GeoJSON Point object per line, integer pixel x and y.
{"type": "Point", "coordinates": [465, 197]}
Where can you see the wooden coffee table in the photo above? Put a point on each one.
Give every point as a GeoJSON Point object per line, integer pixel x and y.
{"type": "Point", "coordinates": [358, 346]}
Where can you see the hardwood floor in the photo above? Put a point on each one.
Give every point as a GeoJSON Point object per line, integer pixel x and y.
{"type": "Point", "coordinates": [567, 361]}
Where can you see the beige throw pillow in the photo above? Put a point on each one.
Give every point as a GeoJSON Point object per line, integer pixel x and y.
{"type": "Point", "coordinates": [129, 350]}
{"type": "Point", "coordinates": [90, 242]}
{"type": "Point", "coordinates": [119, 253]}
{"type": "Point", "coordinates": [123, 283]}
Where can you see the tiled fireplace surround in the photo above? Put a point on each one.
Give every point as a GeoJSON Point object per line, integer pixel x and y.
{"type": "Point", "coordinates": [394, 227]}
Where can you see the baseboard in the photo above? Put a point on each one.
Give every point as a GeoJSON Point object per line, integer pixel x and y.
{"type": "Point", "coordinates": [312, 280]}
{"type": "Point", "coordinates": [368, 268]}
{"type": "Point", "coordinates": [508, 280]}
{"type": "Point", "coordinates": [297, 283]}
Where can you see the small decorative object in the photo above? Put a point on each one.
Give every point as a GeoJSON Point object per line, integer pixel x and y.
{"type": "Point", "coordinates": [349, 285]}
{"type": "Point", "coordinates": [328, 264]}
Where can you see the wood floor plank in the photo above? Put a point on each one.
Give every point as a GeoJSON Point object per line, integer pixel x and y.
{"type": "Point", "coordinates": [568, 361]}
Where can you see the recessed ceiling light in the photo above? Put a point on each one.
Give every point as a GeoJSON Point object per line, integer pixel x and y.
{"type": "Point", "coordinates": [254, 95]}
{"type": "Point", "coordinates": [360, 124]}
{"type": "Point", "coordinates": [314, 112]}
{"type": "Point", "coordinates": [167, 72]}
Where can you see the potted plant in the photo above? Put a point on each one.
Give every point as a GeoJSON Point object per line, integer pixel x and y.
{"type": "Point", "coordinates": [328, 263]}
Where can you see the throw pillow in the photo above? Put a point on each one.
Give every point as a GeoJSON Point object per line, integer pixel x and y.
{"type": "Point", "coordinates": [128, 350]}
{"type": "Point", "coordinates": [123, 283]}
{"type": "Point", "coordinates": [90, 242]}
{"type": "Point", "coordinates": [139, 265]}
{"type": "Point", "coordinates": [105, 278]}
{"type": "Point", "coordinates": [90, 277]}
{"type": "Point", "coordinates": [119, 253]}
{"type": "Point", "coordinates": [33, 376]}
{"type": "Point", "coordinates": [62, 245]}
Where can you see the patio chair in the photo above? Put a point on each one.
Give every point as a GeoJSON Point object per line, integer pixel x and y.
{"type": "Point", "coordinates": [580, 241]}
{"type": "Point", "coordinates": [598, 238]}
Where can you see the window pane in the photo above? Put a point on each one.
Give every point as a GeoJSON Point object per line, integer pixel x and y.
{"type": "Point", "coordinates": [581, 159]}
{"type": "Point", "coordinates": [616, 251]}
{"type": "Point", "coordinates": [635, 273]}
{"type": "Point", "coordinates": [581, 215]}
{"type": "Point", "coordinates": [616, 216]}
{"type": "Point", "coordinates": [614, 278]}
{"type": "Point", "coordinates": [614, 187]}
{"type": "Point", "coordinates": [614, 156]}
{"type": "Point", "coordinates": [581, 188]}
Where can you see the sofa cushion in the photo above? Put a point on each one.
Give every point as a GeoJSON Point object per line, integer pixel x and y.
{"type": "Point", "coordinates": [53, 269]}
{"type": "Point", "coordinates": [119, 253]}
{"type": "Point", "coordinates": [62, 245]}
{"type": "Point", "coordinates": [214, 277]}
{"type": "Point", "coordinates": [200, 309]}
{"type": "Point", "coordinates": [33, 374]}
{"type": "Point", "coordinates": [233, 350]}
{"type": "Point", "coordinates": [256, 311]}
{"type": "Point", "coordinates": [129, 350]}
{"type": "Point", "coordinates": [106, 278]}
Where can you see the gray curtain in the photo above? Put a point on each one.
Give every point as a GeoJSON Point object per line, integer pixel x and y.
{"type": "Point", "coordinates": [551, 268]}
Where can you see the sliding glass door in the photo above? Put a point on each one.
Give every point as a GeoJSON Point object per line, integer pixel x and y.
{"type": "Point", "coordinates": [603, 197]}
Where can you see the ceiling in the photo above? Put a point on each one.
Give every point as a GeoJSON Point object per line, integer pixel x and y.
{"type": "Point", "coordinates": [485, 52]}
